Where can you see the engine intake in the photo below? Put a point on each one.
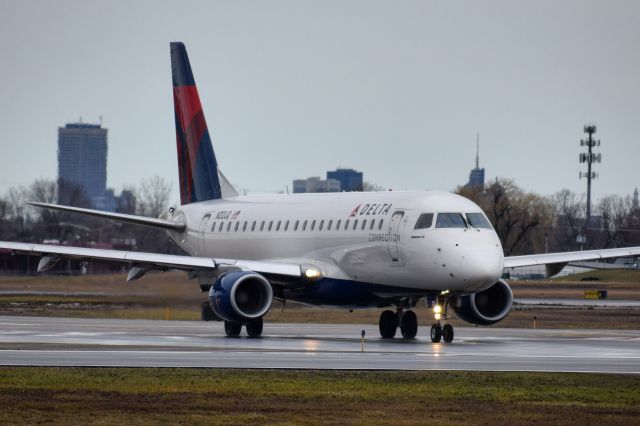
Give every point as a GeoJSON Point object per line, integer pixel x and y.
{"type": "Point", "coordinates": [487, 306]}
{"type": "Point", "coordinates": [241, 296]}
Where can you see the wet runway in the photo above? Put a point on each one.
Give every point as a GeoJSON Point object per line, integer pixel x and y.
{"type": "Point", "coordinates": [136, 343]}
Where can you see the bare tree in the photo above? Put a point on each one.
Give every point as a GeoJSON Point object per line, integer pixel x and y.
{"type": "Point", "coordinates": [153, 199]}
{"type": "Point", "coordinates": [72, 194]}
{"type": "Point", "coordinates": [372, 187]}
{"type": "Point", "coordinates": [617, 220]}
{"type": "Point", "coordinates": [17, 198]}
{"type": "Point", "coordinates": [517, 216]}
{"type": "Point", "coordinates": [568, 218]}
{"type": "Point", "coordinates": [153, 196]}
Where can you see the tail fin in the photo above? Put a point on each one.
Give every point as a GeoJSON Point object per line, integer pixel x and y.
{"type": "Point", "coordinates": [197, 163]}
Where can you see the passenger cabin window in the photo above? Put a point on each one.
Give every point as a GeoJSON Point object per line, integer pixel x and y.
{"type": "Point", "coordinates": [213, 227]}
{"type": "Point", "coordinates": [329, 225]}
{"type": "Point", "coordinates": [478, 220]}
{"type": "Point", "coordinates": [253, 226]}
{"type": "Point", "coordinates": [286, 226]}
{"type": "Point", "coordinates": [321, 225]}
{"type": "Point", "coordinates": [424, 221]}
{"type": "Point", "coordinates": [221, 225]}
{"type": "Point", "coordinates": [235, 228]}
{"type": "Point", "coordinates": [270, 225]}
{"type": "Point", "coordinates": [304, 225]}
{"type": "Point", "coordinates": [228, 226]}
{"type": "Point", "coordinates": [244, 226]}
{"type": "Point", "coordinates": [355, 224]}
{"type": "Point", "coordinates": [372, 223]}
{"type": "Point", "coordinates": [295, 227]}
{"type": "Point", "coordinates": [346, 224]}
{"type": "Point", "coordinates": [313, 225]}
{"type": "Point", "coordinates": [364, 224]}
{"type": "Point", "coordinates": [450, 220]}
{"type": "Point", "coordinates": [262, 226]}
{"type": "Point", "coordinates": [338, 225]}
{"type": "Point", "coordinates": [278, 226]}
{"type": "Point", "coordinates": [380, 224]}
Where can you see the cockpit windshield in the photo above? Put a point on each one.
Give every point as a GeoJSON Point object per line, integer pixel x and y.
{"type": "Point", "coordinates": [478, 220]}
{"type": "Point", "coordinates": [424, 221]}
{"type": "Point", "coordinates": [450, 220]}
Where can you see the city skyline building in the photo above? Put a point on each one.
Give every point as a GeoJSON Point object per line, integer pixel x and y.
{"type": "Point", "coordinates": [350, 179]}
{"type": "Point", "coordinates": [82, 160]}
{"type": "Point", "coordinates": [476, 176]}
{"type": "Point", "coordinates": [315, 184]}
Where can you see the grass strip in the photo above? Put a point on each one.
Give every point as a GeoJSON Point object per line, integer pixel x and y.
{"type": "Point", "coordinates": [148, 396]}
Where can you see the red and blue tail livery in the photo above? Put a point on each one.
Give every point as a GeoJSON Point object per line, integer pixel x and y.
{"type": "Point", "coordinates": [197, 165]}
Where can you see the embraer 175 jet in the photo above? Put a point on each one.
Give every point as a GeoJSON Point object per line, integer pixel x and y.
{"type": "Point", "coordinates": [350, 249]}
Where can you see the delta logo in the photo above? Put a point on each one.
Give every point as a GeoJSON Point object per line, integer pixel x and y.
{"type": "Point", "coordinates": [370, 210]}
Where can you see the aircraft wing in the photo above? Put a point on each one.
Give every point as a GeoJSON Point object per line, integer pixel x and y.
{"type": "Point", "coordinates": [141, 262]}
{"type": "Point", "coordinates": [562, 259]}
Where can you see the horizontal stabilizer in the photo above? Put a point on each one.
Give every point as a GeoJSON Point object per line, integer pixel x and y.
{"type": "Point", "coordinates": [120, 217]}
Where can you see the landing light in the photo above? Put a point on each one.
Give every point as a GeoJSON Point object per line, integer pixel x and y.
{"type": "Point", "coordinates": [312, 273]}
{"type": "Point", "coordinates": [444, 292]}
{"type": "Point", "coordinates": [437, 317]}
{"type": "Point", "coordinates": [437, 309]}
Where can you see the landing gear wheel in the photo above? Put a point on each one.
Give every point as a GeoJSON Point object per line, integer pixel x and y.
{"type": "Point", "coordinates": [254, 327]}
{"type": "Point", "coordinates": [232, 328]}
{"type": "Point", "coordinates": [436, 333]}
{"type": "Point", "coordinates": [447, 333]}
{"type": "Point", "coordinates": [409, 325]}
{"type": "Point", "coordinates": [388, 324]}
{"type": "Point", "coordinates": [206, 313]}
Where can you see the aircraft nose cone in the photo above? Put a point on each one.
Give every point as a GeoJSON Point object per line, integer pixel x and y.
{"type": "Point", "coordinates": [483, 267]}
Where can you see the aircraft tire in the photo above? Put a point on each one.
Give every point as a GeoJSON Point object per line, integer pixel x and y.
{"type": "Point", "coordinates": [206, 313]}
{"type": "Point", "coordinates": [447, 333]}
{"type": "Point", "coordinates": [436, 333]}
{"type": "Point", "coordinates": [388, 324]}
{"type": "Point", "coordinates": [254, 327]}
{"type": "Point", "coordinates": [232, 328]}
{"type": "Point", "coordinates": [409, 325]}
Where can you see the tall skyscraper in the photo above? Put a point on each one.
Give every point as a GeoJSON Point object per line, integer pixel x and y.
{"type": "Point", "coordinates": [350, 180]}
{"type": "Point", "coordinates": [82, 160]}
{"type": "Point", "coordinates": [476, 177]}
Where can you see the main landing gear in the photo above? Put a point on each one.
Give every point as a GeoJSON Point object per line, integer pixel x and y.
{"type": "Point", "coordinates": [253, 327]}
{"type": "Point", "coordinates": [390, 321]}
{"type": "Point", "coordinates": [440, 330]}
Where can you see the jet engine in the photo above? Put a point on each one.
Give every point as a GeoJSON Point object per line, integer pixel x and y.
{"type": "Point", "coordinates": [487, 306]}
{"type": "Point", "coordinates": [241, 296]}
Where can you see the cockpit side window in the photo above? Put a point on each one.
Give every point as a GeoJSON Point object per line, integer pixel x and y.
{"type": "Point", "coordinates": [478, 220]}
{"type": "Point", "coordinates": [450, 220]}
{"type": "Point", "coordinates": [424, 221]}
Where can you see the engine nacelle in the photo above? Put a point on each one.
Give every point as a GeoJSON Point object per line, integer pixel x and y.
{"type": "Point", "coordinates": [487, 306]}
{"type": "Point", "coordinates": [241, 296]}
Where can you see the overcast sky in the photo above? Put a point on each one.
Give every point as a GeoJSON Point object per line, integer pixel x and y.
{"type": "Point", "coordinates": [290, 89]}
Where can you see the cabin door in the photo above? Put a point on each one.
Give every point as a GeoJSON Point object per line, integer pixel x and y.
{"type": "Point", "coordinates": [394, 235]}
{"type": "Point", "coordinates": [201, 234]}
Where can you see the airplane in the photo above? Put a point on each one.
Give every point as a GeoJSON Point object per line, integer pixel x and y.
{"type": "Point", "coordinates": [390, 249]}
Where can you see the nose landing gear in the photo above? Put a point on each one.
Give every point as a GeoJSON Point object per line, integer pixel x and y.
{"type": "Point", "coordinates": [440, 330]}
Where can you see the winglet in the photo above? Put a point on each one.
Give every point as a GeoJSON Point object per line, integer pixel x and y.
{"type": "Point", "coordinates": [197, 165]}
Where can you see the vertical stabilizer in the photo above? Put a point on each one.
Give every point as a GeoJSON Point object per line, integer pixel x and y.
{"type": "Point", "coordinates": [197, 163]}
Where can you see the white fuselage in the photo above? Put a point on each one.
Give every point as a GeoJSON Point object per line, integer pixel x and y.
{"type": "Point", "coordinates": [368, 237]}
